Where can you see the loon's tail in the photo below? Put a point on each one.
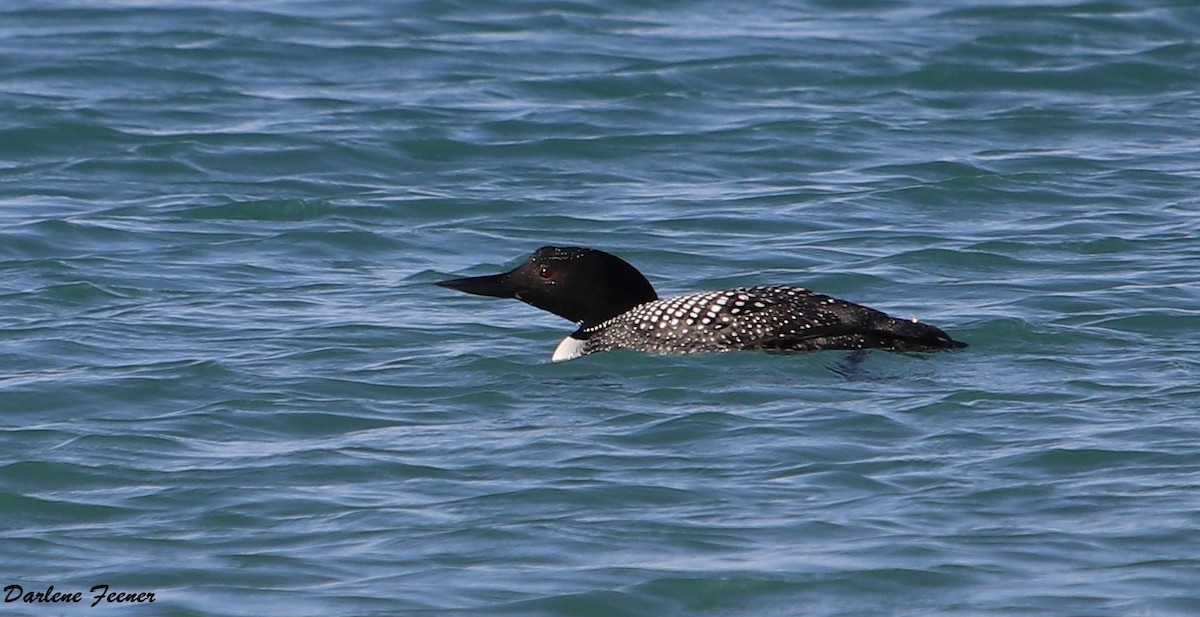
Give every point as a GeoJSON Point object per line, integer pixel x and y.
{"type": "Point", "coordinates": [911, 335]}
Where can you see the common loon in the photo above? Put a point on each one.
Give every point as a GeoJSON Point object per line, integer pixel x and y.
{"type": "Point", "coordinates": [617, 308]}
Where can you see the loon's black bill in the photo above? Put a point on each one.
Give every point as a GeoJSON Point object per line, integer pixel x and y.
{"type": "Point", "coordinates": [495, 285]}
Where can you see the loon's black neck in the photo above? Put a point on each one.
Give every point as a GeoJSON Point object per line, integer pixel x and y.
{"type": "Point", "coordinates": [583, 285]}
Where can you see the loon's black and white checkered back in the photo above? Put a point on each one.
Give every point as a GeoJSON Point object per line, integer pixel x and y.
{"type": "Point", "coordinates": [774, 317]}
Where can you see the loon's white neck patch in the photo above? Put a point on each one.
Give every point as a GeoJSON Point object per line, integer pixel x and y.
{"type": "Point", "coordinates": [569, 349]}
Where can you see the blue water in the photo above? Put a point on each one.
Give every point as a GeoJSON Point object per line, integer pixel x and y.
{"type": "Point", "coordinates": [226, 378]}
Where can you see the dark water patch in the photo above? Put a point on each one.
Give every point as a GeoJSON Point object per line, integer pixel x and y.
{"type": "Point", "coordinates": [63, 140]}
{"type": "Point", "coordinates": [285, 423]}
{"type": "Point", "coordinates": [977, 261]}
{"type": "Point", "coordinates": [44, 512]}
{"type": "Point", "coordinates": [79, 293]}
{"type": "Point", "coordinates": [439, 149]}
{"type": "Point", "coordinates": [1156, 323]}
{"type": "Point", "coordinates": [687, 427]}
{"type": "Point", "coordinates": [63, 239]}
{"type": "Point", "coordinates": [47, 475]}
{"type": "Point", "coordinates": [1083, 460]}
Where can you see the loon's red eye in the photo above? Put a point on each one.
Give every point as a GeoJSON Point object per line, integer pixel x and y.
{"type": "Point", "coordinates": [545, 272]}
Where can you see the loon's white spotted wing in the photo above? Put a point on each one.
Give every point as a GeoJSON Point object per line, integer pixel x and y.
{"type": "Point", "coordinates": [774, 317]}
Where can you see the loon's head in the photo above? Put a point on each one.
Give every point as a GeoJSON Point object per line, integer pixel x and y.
{"type": "Point", "coordinates": [583, 285]}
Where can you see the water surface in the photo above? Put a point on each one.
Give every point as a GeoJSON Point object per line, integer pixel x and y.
{"type": "Point", "coordinates": [226, 379]}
